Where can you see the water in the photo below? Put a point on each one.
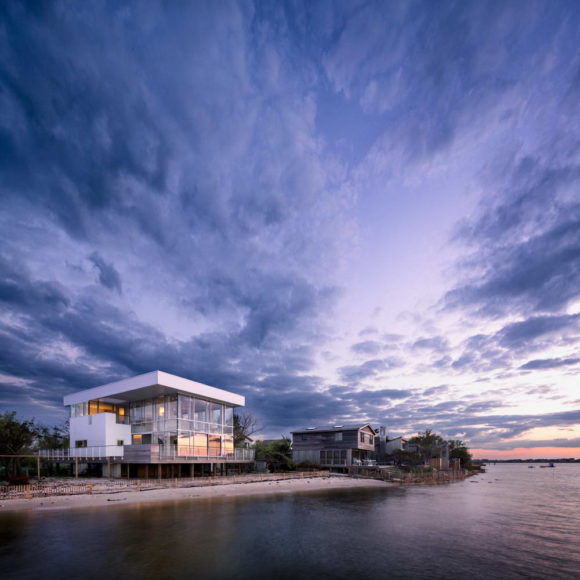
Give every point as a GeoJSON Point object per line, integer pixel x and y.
{"type": "Point", "coordinates": [511, 522]}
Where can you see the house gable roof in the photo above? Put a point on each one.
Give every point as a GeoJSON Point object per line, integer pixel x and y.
{"type": "Point", "coordinates": [336, 428]}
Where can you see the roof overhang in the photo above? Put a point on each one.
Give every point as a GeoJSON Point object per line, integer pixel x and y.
{"type": "Point", "coordinates": [335, 428]}
{"type": "Point", "coordinates": [150, 385]}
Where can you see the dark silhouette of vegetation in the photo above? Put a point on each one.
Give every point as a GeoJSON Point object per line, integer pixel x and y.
{"type": "Point", "coordinates": [25, 438]}
{"type": "Point", "coordinates": [404, 458]}
{"type": "Point", "coordinates": [459, 450]}
{"type": "Point", "coordinates": [277, 454]}
{"type": "Point", "coordinates": [16, 438]}
{"type": "Point", "coordinates": [427, 443]}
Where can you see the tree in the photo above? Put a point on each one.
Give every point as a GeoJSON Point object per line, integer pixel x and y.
{"type": "Point", "coordinates": [459, 450]}
{"type": "Point", "coordinates": [402, 457]}
{"type": "Point", "coordinates": [427, 442]}
{"type": "Point", "coordinates": [245, 425]}
{"type": "Point", "coordinates": [277, 453]}
{"type": "Point", "coordinates": [56, 437]}
{"type": "Point", "coordinates": [16, 438]}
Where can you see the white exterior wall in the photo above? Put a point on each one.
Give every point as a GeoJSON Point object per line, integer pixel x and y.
{"type": "Point", "coordinates": [101, 430]}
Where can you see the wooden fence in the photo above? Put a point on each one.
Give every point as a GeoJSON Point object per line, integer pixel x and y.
{"type": "Point", "coordinates": [395, 475]}
{"type": "Point", "coordinates": [119, 486]}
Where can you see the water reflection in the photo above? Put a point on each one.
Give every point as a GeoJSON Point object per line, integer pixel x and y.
{"type": "Point", "coordinates": [505, 526]}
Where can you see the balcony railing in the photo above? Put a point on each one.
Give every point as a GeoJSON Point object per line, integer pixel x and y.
{"type": "Point", "coordinates": [172, 452]}
{"type": "Point", "coordinates": [99, 452]}
{"type": "Point", "coordinates": [149, 453]}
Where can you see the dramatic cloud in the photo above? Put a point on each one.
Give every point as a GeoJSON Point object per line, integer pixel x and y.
{"type": "Point", "coordinates": [549, 363]}
{"type": "Point", "coordinates": [344, 211]}
{"type": "Point", "coordinates": [108, 276]}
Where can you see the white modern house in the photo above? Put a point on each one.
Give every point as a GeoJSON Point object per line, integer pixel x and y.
{"type": "Point", "coordinates": [155, 425]}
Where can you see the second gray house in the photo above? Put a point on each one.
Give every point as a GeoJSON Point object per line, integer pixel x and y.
{"type": "Point", "coordinates": [334, 445]}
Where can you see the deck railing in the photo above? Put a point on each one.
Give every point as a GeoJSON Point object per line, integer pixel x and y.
{"type": "Point", "coordinates": [98, 452]}
{"type": "Point", "coordinates": [164, 453]}
{"type": "Point", "coordinates": [173, 453]}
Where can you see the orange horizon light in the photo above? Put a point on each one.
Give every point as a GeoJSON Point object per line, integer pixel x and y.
{"type": "Point", "coordinates": [527, 453]}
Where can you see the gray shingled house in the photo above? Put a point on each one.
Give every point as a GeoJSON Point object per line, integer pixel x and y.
{"type": "Point", "coordinates": [334, 445]}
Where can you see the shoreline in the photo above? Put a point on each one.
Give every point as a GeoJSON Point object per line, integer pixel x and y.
{"type": "Point", "coordinates": [166, 495]}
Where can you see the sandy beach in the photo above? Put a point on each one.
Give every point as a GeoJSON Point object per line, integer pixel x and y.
{"type": "Point", "coordinates": [187, 493]}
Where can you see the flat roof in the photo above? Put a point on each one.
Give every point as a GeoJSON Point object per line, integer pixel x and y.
{"type": "Point", "coordinates": [150, 385]}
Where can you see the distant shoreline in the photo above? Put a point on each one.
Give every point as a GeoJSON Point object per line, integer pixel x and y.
{"type": "Point", "coordinates": [166, 495]}
{"type": "Point", "coordinates": [528, 460]}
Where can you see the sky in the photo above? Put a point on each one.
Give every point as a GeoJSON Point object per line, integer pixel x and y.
{"type": "Point", "coordinates": [344, 211]}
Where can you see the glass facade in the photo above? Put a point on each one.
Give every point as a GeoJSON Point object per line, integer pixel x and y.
{"type": "Point", "coordinates": [96, 407]}
{"type": "Point", "coordinates": [185, 425]}
{"type": "Point", "coordinates": [181, 425]}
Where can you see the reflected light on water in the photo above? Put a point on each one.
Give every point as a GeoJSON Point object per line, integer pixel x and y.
{"type": "Point", "coordinates": [510, 522]}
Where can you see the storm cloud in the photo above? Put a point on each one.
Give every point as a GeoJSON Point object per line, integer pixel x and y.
{"type": "Point", "coordinates": [344, 211]}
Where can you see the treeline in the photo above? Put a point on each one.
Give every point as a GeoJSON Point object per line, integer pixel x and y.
{"type": "Point", "coordinates": [426, 445]}
{"type": "Point", "coordinates": [25, 437]}
{"type": "Point", "coordinates": [28, 436]}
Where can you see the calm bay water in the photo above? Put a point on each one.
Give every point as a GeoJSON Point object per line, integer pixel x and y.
{"type": "Point", "coordinates": [511, 522]}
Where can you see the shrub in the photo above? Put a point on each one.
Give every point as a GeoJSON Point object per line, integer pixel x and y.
{"type": "Point", "coordinates": [421, 469]}
{"type": "Point", "coordinates": [307, 466]}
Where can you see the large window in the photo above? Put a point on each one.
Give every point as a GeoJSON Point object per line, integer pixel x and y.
{"type": "Point", "coordinates": [194, 419]}
{"type": "Point", "coordinates": [79, 410]}
{"type": "Point", "coordinates": [96, 407]}
{"type": "Point", "coordinates": [160, 409]}
{"type": "Point", "coordinates": [184, 445]}
{"type": "Point", "coordinates": [136, 412]}
{"type": "Point", "coordinates": [333, 457]}
{"type": "Point", "coordinates": [172, 407]}
{"type": "Point", "coordinates": [201, 415]}
{"type": "Point", "coordinates": [200, 444]}
{"type": "Point", "coordinates": [227, 444]}
{"type": "Point", "coordinates": [216, 413]}
{"type": "Point", "coordinates": [185, 407]}
{"type": "Point", "coordinates": [215, 443]}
